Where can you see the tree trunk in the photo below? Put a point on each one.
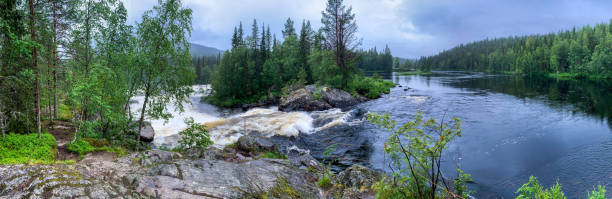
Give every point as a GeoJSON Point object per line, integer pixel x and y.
{"type": "Point", "coordinates": [2, 120]}
{"type": "Point", "coordinates": [54, 60]}
{"type": "Point", "coordinates": [87, 47]}
{"type": "Point", "coordinates": [142, 112]}
{"type": "Point", "coordinates": [49, 105]}
{"type": "Point", "coordinates": [35, 67]}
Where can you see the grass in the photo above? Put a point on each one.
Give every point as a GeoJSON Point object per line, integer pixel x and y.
{"type": "Point", "coordinates": [27, 148]}
{"type": "Point", "coordinates": [415, 72]}
{"type": "Point", "coordinates": [87, 145]}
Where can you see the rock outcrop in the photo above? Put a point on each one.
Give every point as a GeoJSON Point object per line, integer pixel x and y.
{"type": "Point", "coordinates": [158, 174]}
{"type": "Point", "coordinates": [338, 98]}
{"type": "Point", "coordinates": [311, 98]}
{"type": "Point", "coordinates": [302, 100]}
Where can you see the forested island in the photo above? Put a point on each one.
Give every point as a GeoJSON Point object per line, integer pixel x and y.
{"type": "Point", "coordinates": [89, 104]}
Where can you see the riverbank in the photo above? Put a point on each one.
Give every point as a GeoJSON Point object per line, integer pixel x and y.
{"type": "Point", "coordinates": [241, 171]}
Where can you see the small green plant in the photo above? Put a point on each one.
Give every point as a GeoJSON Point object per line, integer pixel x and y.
{"type": "Point", "coordinates": [598, 193]}
{"type": "Point", "coordinates": [534, 190]}
{"type": "Point", "coordinates": [81, 147]}
{"type": "Point", "coordinates": [325, 181]}
{"type": "Point", "coordinates": [194, 136]}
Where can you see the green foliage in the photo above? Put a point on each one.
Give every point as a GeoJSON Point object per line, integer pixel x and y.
{"type": "Point", "coordinates": [81, 147]}
{"type": "Point", "coordinates": [370, 87]}
{"type": "Point", "coordinates": [534, 190]}
{"type": "Point", "coordinates": [583, 52]}
{"type": "Point", "coordinates": [324, 182]}
{"type": "Point", "coordinates": [372, 60]}
{"type": "Point", "coordinates": [597, 193]}
{"type": "Point", "coordinates": [25, 148]}
{"type": "Point", "coordinates": [194, 136]}
{"type": "Point", "coordinates": [415, 149]}
{"type": "Point", "coordinates": [460, 184]}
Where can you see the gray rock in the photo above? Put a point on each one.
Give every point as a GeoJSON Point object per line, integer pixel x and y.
{"type": "Point", "coordinates": [302, 159]}
{"type": "Point", "coordinates": [253, 143]}
{"type": "Point", "coordinates": [147, 134]}
{"type": "Point", "coordinates": [158, 156]}
{"type": "Point", "coordinates": [358, 176]}
{"type": "Point", "coordinates": [55, 181]}
{"type": "Point", "coordinates": [166, 176]}
{"type": "Point", "coordinates": [301, 100]}
{"type": "Point", "coordinates": [338, 98]}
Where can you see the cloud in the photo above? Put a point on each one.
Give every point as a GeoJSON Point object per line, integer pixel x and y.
{"type": "Point", "coordinates": [411, 28]}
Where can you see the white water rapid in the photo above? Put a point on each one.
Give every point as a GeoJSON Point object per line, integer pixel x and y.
{"type": "Point", "coordinates": [227, 130]}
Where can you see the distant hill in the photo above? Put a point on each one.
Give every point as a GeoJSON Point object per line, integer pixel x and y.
{"type": "Point", "coordinates": [198, 50]}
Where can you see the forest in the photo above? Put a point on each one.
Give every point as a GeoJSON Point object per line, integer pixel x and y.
{"type": "Point", "coordinates": [260, 65]}
{"type": "Point", "coordinates": [79, 63]}
{"type": "Point", "coordinates": [576, 53]}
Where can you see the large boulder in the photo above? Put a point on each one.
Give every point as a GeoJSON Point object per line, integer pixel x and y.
{"type": "Point", "coordinates": [302, 100]}
{"type": "Point", "coordinates": [338, 98]}
{"type": "Point", "coordinates": [147, 134]}
{"type": "Point", "coordinates": [253, 143]}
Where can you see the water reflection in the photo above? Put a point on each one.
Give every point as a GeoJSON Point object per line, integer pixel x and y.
{"type": "Point", "coordinates": [592, 98]}
{"type": "Point", "coordinates": [513, 127]}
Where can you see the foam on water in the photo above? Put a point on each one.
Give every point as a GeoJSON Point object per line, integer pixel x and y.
{"type": "Point", "coordinates": [265, 121]}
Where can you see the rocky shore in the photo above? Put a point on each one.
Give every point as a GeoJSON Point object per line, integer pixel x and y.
{"type": "Point", "coordinates": [233, 172]}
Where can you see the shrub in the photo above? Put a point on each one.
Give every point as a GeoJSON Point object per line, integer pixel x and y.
{"type": "Point", "coordinates": [598, 193]}
{"type": "Point", "coordinates": [324, 182]}
{"type": "Point", "coordinates": [534, 190]}
{"type": "Point", "coordinates": [20, 148]}
{"type": "Point", "coordinates": [415, 149]}
{"type": "Point", "coordinates": [81, 147]}
{"type": "Point", "coordinates": [370, 87]}
{"type": "Point", "coordinates": [194, 136]}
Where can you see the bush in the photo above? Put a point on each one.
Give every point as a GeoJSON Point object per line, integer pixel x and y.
{"type": "Point", "coordinates": [194, 136]}
{"type": "Point", "coordinates": [371, 87]}
{"type": "Point", "coordinates": [19, 148]}
{"type": "Point", "coordinates": [415, 150]}
{"type": "Point", "coordinates": [324, 182]}
{"type": "Point", "coordinates": [81, 147]}
{"type": "Point", "coordinates": [534, 190]}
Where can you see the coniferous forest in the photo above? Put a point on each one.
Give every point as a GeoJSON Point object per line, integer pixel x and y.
{"type": "Point", "coordinates": [95, 104]}
{"type": "Point", "coordinates": [579, 52]}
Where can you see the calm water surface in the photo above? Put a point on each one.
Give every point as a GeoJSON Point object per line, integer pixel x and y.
{"type": "Point", "coordinates": [513, 127]}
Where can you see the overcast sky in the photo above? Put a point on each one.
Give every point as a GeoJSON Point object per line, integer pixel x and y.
{"type": "Point", "coordinates": [411, 28]}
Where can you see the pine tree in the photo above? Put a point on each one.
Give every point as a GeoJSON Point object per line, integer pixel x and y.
{"type": "Point", "coordinates": [289, 29]}
{"type": "Point", "coordinates": [340, 29]}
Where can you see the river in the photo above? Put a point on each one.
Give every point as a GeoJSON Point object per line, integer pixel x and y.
{"type": "Point", "coordinates": [513, 127]}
